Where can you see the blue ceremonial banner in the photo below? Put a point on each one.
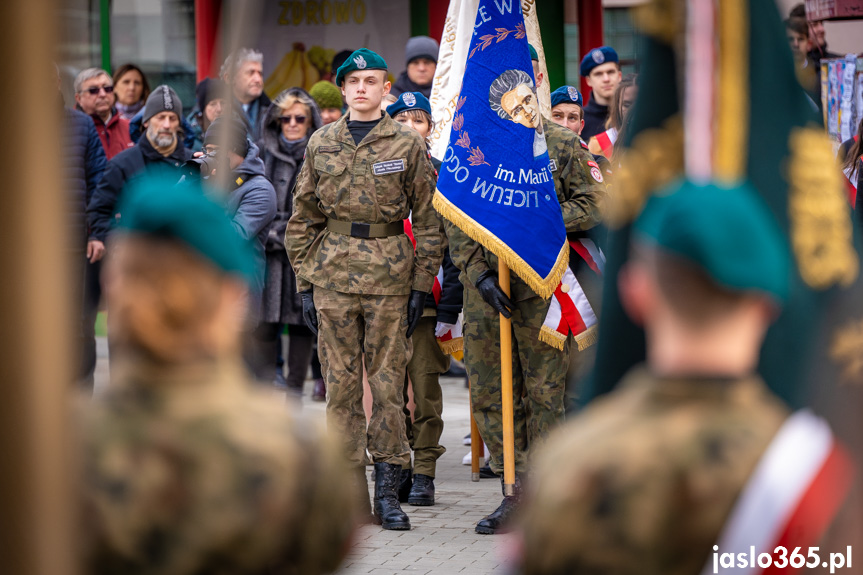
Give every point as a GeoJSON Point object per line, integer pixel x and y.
{"type": "Point", "coordinates": [496, 179]}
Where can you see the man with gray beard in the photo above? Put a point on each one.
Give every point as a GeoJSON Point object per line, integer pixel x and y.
{"type": "Point", "coordinates": [160, 150]}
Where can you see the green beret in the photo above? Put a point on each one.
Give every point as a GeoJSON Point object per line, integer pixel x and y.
{"type": "Point", "coordinates": [532, 50]}
{"type": "Point", "coordinates": [727, 231]}
{"type": "Point", "coordinates": [161, 207]}
{"type": "Point", "coordinates": [362, 59]}
{"type": "Point", "coordinates": [326, 95]}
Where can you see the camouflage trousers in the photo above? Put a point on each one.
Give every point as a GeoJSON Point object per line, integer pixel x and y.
{"type": "Point", "coordinates": [538, 376]}
{"type": "Point", "coordinates": [424, 369]}
{"type": "Point", "coordinates": [353, 328]}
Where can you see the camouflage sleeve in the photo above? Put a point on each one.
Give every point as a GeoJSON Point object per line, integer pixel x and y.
{"type": "Point", "coordinates": [425, 221]}
{"type": "Point", "coordinates": [307, 221]}
{"type": "Point", "coordinates": [466, 254]}
{"type": "Point", "coordinates": [584, 190]}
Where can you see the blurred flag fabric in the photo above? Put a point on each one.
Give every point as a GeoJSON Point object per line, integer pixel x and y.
{"type": "Point", "coordinates": [719, 99]}
{"type": "Point", "coordinates": [496, 179]}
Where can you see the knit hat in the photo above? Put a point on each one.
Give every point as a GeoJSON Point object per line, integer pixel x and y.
{"type": "Point", "coordinates": [362, 59]}
{"type": "Point", "coordinates": [208, 90]}
{"type": "Point", "coordinates": [597, 57]}
{"type": "Point", "coordinates": [409, 101]}
{"type": "Point", "coordinates": [230, 131]}
{"type": "Point", "coordinates": [421, 47]}
{"type": "Point", "coordinates": [162, 99]}
{"type": "Point", "coordinates": [326, 95]}
{"type": "Point", "coordinates": [566, 95]}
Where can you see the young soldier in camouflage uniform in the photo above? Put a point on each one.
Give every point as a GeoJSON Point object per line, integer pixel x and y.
{"type": "Point", "coordinates": [644, 478]}
{"type": "Point", "coordinates": [362, 282]}
{"type": "Point", "coordinates": [539, 370]}
{"type": "Point", "coordinates": [187, 467]}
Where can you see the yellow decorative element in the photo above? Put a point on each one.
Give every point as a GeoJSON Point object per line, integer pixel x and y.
{"type": "Point", "coordinates": [452, 346]}
{"type": "Point", "coordinates": [654, 160]}
{"type": "Point", "coordinates": [564, 288]}
{"type": "Point", "coordinates": [555, 339]}
{"type": "Point", "coordinates": [847, 350]}
{"type": "Point", "coordinates": [821, 232]}
{"type": "Point", "coordinates": [665, 20]}
{"type": "Point", "coordinates": [544, 287]}
{"type": "Point", "coordinates": [294, 70]}
{"type": "Point", "coordinates": [239, 181]}
{"type": "Point", "coordinates": [731, 114]}
{"type": "Point", "coordinates": [552, 337]}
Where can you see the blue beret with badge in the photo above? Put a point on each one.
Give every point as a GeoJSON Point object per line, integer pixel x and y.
{"type": "Point", "coordinates": [727, 231]}
{"type": "Point", "coordinates": [566, 95]}
{"type": "Point", "coordinates": [362, 59]}
{"type": "Point", "coordinates": [597, 57]}
{"type": "Point", "coordinates": [409, 101]}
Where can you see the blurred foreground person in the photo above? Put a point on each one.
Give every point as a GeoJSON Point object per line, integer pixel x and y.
{"type": "Point", "coordinates": [649, 478]}
{"type": "Point", "coordinates": [186, 468]}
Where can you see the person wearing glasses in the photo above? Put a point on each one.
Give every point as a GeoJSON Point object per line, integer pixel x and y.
{"type": "Point", "coordinates": [94, 95]}
{"type": "Point", "coordinates": [288, 122]}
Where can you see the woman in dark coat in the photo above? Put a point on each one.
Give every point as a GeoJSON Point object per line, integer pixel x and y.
{"type": "Point", "coordinates": [290, 120]}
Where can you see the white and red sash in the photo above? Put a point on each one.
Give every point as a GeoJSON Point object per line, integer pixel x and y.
{"type": "Point", "coordinates": [452, 342]}
{"type": "Point", "coordinates": [606, 141]}
{"type": "Point", "coordinates": [569, 311]}
{"type": "Point", "coordinates": [791, 497]}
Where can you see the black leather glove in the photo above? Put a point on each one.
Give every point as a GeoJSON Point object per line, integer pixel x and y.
{"type": "Point", "coordinates": [416, 304]}
{"type": "Point", "coordinates": [310, 314]}
{"type": "Point", "coordinates": [492, 294]}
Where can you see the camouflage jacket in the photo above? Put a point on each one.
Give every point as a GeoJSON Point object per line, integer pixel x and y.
{"type": "Point", "coordinates": [642, 481]}
{"type": "Point", "coordinates": [380, 181]}
{"type": "Point", "coordinates": [191, 470]}
{"type": "Point", "coordinates": [580, 191]}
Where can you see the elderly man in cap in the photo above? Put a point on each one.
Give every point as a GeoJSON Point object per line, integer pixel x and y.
{"type": "Point", "coordinates": [643, 479]}
{"type": "Point", "coordinates": [601, 67]}
{"type": "Point", "coordinates": [160, 150]}
{"type": "Point", "coordinates": [186, 467]}
{"type": "Point", "coordinates": [362, 281]}
{"type": "Point", "coordinates": [421, 54]}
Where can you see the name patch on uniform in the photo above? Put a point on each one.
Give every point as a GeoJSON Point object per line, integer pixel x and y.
{"type": "Point", "coordinates": [388, 167]}
{"type": "Point", "coordinates": [329, 149]}
{"type": "Point", "coordinates": [552, 165]}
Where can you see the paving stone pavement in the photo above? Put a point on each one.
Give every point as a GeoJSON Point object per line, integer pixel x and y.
{"type": "Point", "coordinates": [442, 539]}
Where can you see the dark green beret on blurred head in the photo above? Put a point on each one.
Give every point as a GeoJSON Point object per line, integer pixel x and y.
{"type": "Point", "coordinates": [726, 231]}
{"type": "Point", "coordinates": [362, 59]}
{"type": "Point", "coordinates": [158, 207]}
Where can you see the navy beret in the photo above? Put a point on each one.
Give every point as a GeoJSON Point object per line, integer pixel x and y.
{"type": "Point", "coordinates": [566, 95]}
{"type": "Point", "coordinates": [409, 101]}
{"type": "Point", "coordinates": [597, 57]}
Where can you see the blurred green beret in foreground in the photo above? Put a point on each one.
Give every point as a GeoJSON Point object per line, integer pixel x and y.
{"type": "Point", "coordinates": [727, 231]}
{"type": "Point", "coordinates": [160, 207]}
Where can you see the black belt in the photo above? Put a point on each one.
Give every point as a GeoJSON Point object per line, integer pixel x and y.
{"type": "Point", "coordinates": [357, 230]}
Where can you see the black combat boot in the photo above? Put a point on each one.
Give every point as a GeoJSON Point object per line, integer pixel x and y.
{"type": "Point", "coordinates": [387, 509]}
{"type": "Point", "coordinates": [422, 492]}
{"type": "Point", "coordinates": [405, 484]}
{"type": "Point", "coordinates": [497, 522]}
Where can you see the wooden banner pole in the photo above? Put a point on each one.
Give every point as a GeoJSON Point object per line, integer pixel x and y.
{"type": "Point", "coordinates": [506, 390]}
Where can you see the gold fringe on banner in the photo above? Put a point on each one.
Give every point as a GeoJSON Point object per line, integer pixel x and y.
{"type": "Point", "coordinates": [453, 346]}
{"type": "Point", "coordinates": [544, 287]}
{"type": "Point", "coordinates": [552, 337]}
{"type": "Point", "coordinates": [587, 338]}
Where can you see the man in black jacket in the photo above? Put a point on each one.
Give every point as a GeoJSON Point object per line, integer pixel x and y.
{"type": "Point", "coordinates": [159, 150]}
{"type": "Point", "coordinates": [421, 55]}
{"type": "Point", "coordinates": [243, 71]}
{"type": "Point", "coordinates": [601, 67]}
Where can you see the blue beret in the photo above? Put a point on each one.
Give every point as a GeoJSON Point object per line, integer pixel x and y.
{"type": "Point", "coordinates": [726, 231]}
{"type": "Point", "coordinates": [159, 206]}
{"type": "Point", "coordinates": [409, 101]}
{"type": "Point", "coordinates": [362, 59]}
{"type": "Point", "coordinates": [566, 95]}
{"type": "Point", "coordinates": [596, 57]}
